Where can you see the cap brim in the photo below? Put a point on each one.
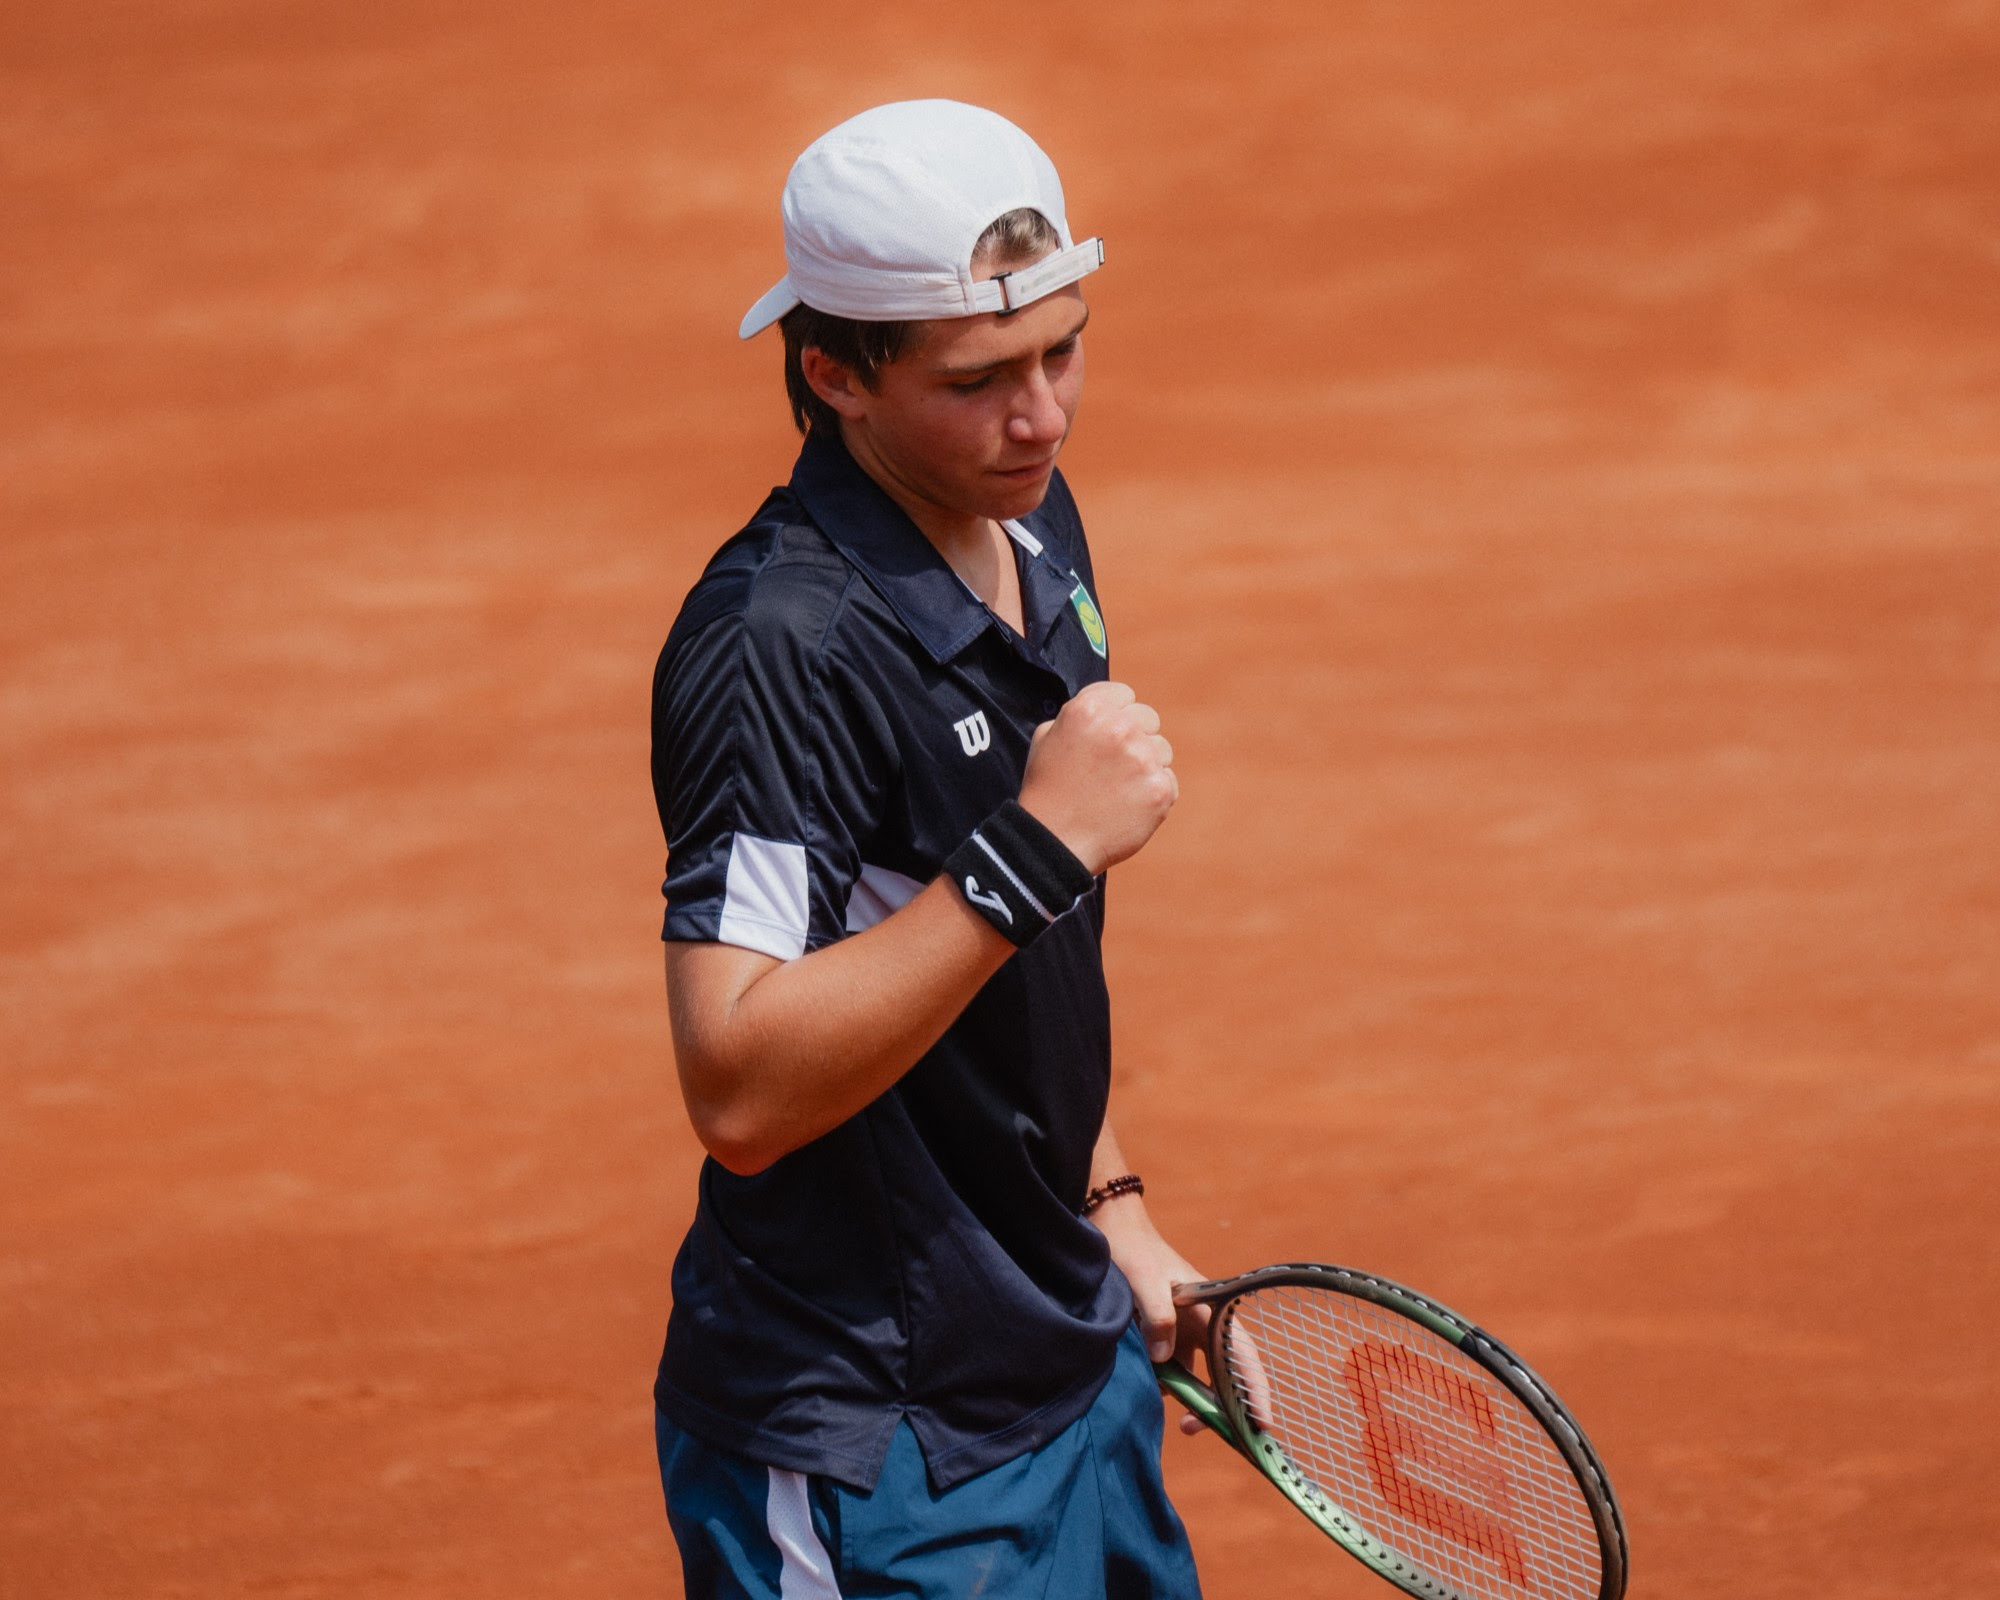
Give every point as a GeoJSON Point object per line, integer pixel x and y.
{"type": "Point", "coordinates": [775, 303]}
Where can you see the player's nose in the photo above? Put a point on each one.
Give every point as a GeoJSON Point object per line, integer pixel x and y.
{"type": "Point", "coordinates": [1038, 417]}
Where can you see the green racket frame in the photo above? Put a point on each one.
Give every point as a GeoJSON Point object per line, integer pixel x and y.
{"type": "Point", "coordinates": [1227, 1416]}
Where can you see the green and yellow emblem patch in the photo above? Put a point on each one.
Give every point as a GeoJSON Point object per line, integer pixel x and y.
{"type": "Point", "coordinates": [1086, 613]}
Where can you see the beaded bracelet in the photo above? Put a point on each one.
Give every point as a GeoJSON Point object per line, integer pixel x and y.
{"type": "Point", "coordinates": [1112, 1188]}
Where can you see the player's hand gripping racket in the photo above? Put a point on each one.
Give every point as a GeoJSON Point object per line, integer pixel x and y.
{"type": "Point", "coordinates": [1419, 1444]}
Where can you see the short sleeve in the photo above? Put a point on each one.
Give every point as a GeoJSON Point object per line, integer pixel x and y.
{"type": "Point", "coordinates": [771, 761]}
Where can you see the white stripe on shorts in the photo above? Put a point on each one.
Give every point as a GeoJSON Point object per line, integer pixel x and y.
{"type": "Point", "coordinates": [806, 1570]}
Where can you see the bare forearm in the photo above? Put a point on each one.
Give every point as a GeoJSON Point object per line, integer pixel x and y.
{"type": "Point", "coordinates": [1149, 1263]}
{"type": "Point", "coordinates": [771, 1065]}
{"type": "Point", "coordinates": [1107, 1161]}
{"type": "Point", "coordinates": [773, 1054]}
{"type": "Point", "coordinates": [1122, 1218]}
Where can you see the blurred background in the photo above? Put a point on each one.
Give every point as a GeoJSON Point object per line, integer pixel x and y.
{"type": "Point", "coordinates": [1544, 464]}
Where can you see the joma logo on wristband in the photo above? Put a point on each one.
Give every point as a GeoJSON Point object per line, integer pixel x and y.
{"type": "Point", "coordinates": [992, 904]}
{"type": "Point", "coordinates": [1016, 874]}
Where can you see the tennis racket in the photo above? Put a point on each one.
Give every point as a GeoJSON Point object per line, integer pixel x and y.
{"type": "Point", "coordinates": [1421, 1445]}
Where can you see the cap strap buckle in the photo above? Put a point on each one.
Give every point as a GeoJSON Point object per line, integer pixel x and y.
{"type": "Point", "coordinates": [1012, 290]}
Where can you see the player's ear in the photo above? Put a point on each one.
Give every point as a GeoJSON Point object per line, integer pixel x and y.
{"type": "Point", "coordinates": [833, 381]}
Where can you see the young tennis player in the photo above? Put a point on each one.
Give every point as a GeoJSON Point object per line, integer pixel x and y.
{"type": "Point", "coordinates": [893, 770]}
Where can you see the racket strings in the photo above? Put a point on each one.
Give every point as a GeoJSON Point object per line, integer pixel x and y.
{"type": "Point", "coordinates": [1415, 1441]}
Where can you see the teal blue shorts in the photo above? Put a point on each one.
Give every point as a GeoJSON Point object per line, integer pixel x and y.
{"type": "Point", "coordinates": [1085, 1517]}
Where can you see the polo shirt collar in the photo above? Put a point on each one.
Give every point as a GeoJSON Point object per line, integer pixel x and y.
{"type": "Point", "coordinates": [877, 535]}
{"type": "Point", "coordinates": [1045, 590]}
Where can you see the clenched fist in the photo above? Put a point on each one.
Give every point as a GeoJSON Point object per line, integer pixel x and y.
{"type": "Point", "coordinates": [1100, 777]}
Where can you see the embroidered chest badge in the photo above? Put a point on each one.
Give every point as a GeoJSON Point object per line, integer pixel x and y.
{"type": "Point", "coordinates": [1086, 613]}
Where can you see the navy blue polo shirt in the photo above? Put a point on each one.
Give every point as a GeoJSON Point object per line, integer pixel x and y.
{"type": "Point", "coordinates": [834, 712]}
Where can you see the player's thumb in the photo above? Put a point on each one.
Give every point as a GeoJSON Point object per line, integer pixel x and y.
{"type": "Point", "coordinates": [1158, 1323]}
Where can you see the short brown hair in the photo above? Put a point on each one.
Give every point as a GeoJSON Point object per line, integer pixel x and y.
{"type": "Point", "coordinates": [865, 348]}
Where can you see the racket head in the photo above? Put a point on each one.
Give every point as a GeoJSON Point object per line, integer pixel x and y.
{"type": "Point", "coordinates": [1415, 1440]}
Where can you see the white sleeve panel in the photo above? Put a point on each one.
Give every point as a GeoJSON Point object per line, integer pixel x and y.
{"type": "Point", "coordinates": [764, 897]}
{"type": "Point", "coordinates": [877, 892]}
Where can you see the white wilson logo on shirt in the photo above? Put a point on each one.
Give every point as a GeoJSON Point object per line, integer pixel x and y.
{"type": "Point", "coordinates": [973, 734]}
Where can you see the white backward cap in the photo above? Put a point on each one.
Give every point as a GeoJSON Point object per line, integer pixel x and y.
{"type": "Point", "coordinates": [882, 213]}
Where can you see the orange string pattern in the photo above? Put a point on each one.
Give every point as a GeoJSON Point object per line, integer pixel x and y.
{"type": "Point", "coordinates": [1417, 1443]}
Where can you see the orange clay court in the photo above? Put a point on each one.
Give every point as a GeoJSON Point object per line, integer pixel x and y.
{"type": "Point", "coordinates": [1544, 463]}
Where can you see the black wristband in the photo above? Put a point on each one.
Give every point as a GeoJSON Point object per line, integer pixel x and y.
{"type": "Point", "coordinates": [1016, 874]}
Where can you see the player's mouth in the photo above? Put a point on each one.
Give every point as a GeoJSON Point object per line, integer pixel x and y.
{"type": "Point", "coordinates": [1029, 473]}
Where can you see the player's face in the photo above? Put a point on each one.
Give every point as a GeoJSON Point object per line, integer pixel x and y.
{"type": "Point", "coordinates": [969, 420]}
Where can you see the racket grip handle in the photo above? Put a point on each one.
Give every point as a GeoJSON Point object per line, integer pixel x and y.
{"type": "Point", "coordinates": [1184, 1386]}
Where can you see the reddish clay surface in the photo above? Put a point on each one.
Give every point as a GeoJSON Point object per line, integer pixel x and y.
{"type": "Point", "coordinates": [1545, 463]}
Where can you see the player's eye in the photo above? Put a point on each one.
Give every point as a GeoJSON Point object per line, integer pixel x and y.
{"type": "Point", "coordinates": [972, 385]}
